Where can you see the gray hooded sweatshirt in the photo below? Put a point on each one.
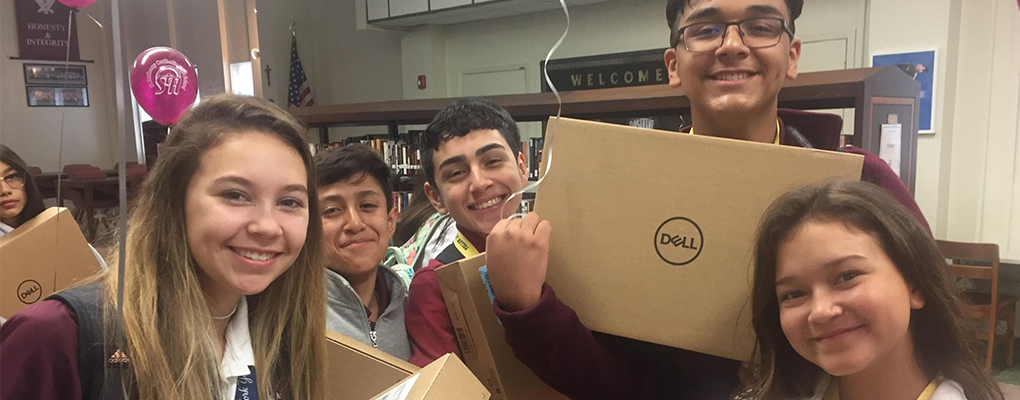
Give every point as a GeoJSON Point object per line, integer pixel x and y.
{"type": "Point", "coordinates": [345, 314]}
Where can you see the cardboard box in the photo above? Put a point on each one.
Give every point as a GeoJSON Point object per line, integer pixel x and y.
{"type": "Point", "coordinates": [481, 336]}
{"type": "Point", "coordinates": [653, 231]}
{"type": "Point", "coordinates": [44, 255]}
{"type": "Point", "coordinates": [357, 371]}
{"type": "Point", "coordinates": [444, 379]}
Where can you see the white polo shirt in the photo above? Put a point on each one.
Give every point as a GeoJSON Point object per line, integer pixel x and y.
{"type": "Point", "coordinates": [238, 357]}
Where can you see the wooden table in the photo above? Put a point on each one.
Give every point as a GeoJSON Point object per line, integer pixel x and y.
{"type": "Point", "coordinates": [83, 193]}
{"type": "Point", "coordinates": [47, 181]}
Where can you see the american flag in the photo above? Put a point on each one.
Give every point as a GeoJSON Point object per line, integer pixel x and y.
{"type": "Point", "coordinates": [300, 95]}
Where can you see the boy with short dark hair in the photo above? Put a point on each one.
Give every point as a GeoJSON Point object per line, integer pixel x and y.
{"type": "Point", "coordinates": [731, 57]}
{"type": "Point", "coordinates": [472, 160]}
{"type": "Point", "coordinates": [365, 299]}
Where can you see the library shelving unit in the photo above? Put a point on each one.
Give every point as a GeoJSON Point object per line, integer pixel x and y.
{"type": "Point", "coordinates": [875, 94]}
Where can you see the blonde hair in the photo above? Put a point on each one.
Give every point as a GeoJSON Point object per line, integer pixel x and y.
{"type": "Point", "coordinates": [165, 316]}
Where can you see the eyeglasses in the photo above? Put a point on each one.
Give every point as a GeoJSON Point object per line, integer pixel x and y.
{"type": "Point", "coordinates": [756, 33]}
{"type": "Point", "coordinates": [14, 181]}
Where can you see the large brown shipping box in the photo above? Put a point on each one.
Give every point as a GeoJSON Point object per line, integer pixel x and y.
{"type": "Point", "coordinates": [653, 231]}
{"type": "Point", "coordinates": [357, 371]}
{"type": "Point", "coordinates": [44, 255]}
{"type": "Point", "coordinates": [444, 379]}
{"type": "Point", "coordinates": [481, 338]}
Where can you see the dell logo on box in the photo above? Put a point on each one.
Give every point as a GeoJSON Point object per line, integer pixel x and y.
{"type": "Point", "coordinates": [29, 291]}
{"type": "Point", "coordinates": [679, 241]}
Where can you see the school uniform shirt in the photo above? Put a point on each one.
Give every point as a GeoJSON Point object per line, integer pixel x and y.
{"type": "Point", "coordinates": [938, 389]}
{"type": "Point", "coordinates": [50, 372]}
{"type": "Point", "coordinates": [237, 368]}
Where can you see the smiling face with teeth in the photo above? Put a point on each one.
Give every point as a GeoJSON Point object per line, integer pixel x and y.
{"type": "Point", "coordinates": [246, 213]}
{"type": "Point", "coordinates": [733, 82]}
{"type": "Point", "coordinates": [475, 174]}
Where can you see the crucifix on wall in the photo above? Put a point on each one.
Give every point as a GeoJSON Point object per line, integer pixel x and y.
{"type": "Point", "coordinates": [269, 80]}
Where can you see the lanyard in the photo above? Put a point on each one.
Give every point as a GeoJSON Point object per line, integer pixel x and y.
{"type": "Point", "coordinates": [246, 389]}
{"type": "Point", "coordinates": [464, 246]}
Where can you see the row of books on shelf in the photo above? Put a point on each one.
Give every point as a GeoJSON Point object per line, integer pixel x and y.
{"type": "Point", "coordinates": [401, 200]}
{"type": "Point", "coordinates": [402, 155]}
{"type": "Point", "coordinates": [532, 150]}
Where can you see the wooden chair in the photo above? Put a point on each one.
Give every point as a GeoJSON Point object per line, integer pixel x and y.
{"type": "Point", "coordinates": [980, 261]}
{"type": "Point", "coordinates": [70, 167]}
{"type": "Point", "coordinates": [88, 201]}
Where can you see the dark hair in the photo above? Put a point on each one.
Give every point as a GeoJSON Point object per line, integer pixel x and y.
{"type": "Point", "coordinates": [941, 336]}
{"type": "Point", "coordinates": [461, 118]}
{"type": "Point", "coordinates": [415, 214]}
{"type": "Point", "coordinates": [343, 163]}
{"type": "Point", "coordinates": [676, 8]}
{"type": "Point", "coordinates": [33, 197]}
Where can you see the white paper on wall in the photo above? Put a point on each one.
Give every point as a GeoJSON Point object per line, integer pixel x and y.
{"type": "Point", "coordinates": [891, 146]}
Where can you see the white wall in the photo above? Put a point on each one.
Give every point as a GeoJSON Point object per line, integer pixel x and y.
{"type": "Point", "coordinates": [35, 132]}
{"type": "Point", "coordinates": [984, 180]}
{"type": "Point", "coordinates": [343, 64]}
{"type": "Point", "coordinates": [886, 34]}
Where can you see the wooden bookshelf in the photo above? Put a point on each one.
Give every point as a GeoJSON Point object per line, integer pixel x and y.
{"type": "Point", "coordinates": [873, 93]}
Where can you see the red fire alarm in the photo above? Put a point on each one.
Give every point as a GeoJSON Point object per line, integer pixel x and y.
{"type": "Point", "coordinates": [421, 82]}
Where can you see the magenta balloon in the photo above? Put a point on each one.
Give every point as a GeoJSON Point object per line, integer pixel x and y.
{"type": "Point", "coordinates": [77, 3]}
{"type": "Point", "coordinates": [164, 83]}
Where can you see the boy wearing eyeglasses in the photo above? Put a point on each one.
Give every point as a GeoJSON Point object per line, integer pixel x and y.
{"type": "Point", "coordinates": [731, 58]}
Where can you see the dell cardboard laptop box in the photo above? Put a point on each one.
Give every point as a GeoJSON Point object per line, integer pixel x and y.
{"type": "Point", "coordinates": [357, 371]}
{"type": "Point", "coordinates": [45, 254]}
{"type": "Point", "coordinates": [444, 379]}
{"type": "Point", "coordinates": [653, 231]}
{"type": "Point", "coordinates": [468, 298]}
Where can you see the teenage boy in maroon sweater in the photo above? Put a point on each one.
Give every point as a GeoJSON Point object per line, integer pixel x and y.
{"type": "Point", "coordinates": [731, 57]}
{"type": "Point", "coordinates": [471, 157]}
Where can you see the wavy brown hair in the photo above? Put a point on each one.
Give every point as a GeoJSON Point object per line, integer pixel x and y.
{"type": "Point", "coordinates": [943, 341]}
{"type": "Point", "coordinates": [166, 320]}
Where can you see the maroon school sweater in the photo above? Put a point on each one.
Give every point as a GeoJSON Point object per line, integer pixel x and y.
{"type": "Point", "coordinates": [39, 358]}
{"type": "Point", "coordinates": [429, 327]}
{"type": "Point", "coordinates": [551, 340]}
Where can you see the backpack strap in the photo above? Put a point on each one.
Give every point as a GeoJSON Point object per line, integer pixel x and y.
{"type": "Point", "coordinates": [450, 255]}
{"type": "Point", "coordinates": [439, 226]}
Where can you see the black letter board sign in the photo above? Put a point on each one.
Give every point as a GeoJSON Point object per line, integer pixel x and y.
{"type": "Point", "coordinates": [636, 68]}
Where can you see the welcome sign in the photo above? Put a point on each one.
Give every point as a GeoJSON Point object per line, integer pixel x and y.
{"type": "Point", "coordinates": [43, 31]}
{"type": "Point", "coordinates": [637, 68]}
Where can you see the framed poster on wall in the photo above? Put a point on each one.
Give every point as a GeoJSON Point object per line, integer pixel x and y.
{"type": "Point", "coordinates": [53, 74]}
{"type": "Point", "coordinates": [57, 96]}
{"type": "Point", "coordinates": [921, 66]}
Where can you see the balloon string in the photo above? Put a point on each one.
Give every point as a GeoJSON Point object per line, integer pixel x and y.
{"type": "Point", "coordinates": [553, 123]}
{"type": "Point", "coordinates": [60, 145]}
{"type": "Point", "coordinates": [94, 20]}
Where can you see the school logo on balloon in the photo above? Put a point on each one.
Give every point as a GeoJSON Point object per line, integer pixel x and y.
{"type": "Point", "coordinates": [167, 77]}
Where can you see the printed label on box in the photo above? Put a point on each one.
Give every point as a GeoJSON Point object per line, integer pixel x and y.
{"type": "Point", "coordinates": [401, 391]}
